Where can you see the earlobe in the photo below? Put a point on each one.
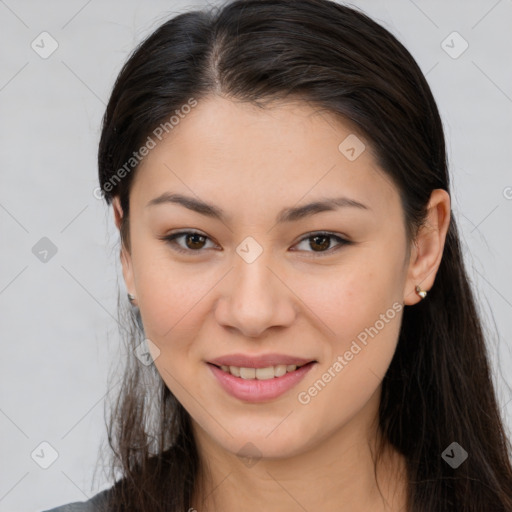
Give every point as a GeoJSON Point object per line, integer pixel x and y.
{"type": "Point", "coordinates": [428, 248]}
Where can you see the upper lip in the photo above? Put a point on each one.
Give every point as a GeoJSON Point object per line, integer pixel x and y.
{"type": "Point", "coordinates": [259, 361]}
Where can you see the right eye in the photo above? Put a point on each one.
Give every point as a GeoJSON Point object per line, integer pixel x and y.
{"type": "Point", "coordinates": [194, 241]}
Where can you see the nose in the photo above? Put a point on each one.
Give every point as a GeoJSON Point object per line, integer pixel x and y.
{"type": "Point", "coordinates": [255, 297]}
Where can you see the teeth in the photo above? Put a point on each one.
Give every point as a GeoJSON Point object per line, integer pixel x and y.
{"type": "Point", "coordinates": [280, 370]}
{"type": "Point", "coordinates": [248, 373]}
{"type": "Point", "coordinates": [265, 373]}
{"type": "Point", "coordinates": [260, 373]}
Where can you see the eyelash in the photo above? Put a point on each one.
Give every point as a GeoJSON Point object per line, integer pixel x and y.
{"type": "Point", "coordinates": [171, 240]}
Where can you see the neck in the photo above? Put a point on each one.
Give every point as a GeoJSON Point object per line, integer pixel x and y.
{"type": "Point", "coordinates": [339, 474]}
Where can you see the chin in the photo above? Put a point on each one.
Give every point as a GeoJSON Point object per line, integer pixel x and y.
{"type": "Point", "coordinates": [254, 441]}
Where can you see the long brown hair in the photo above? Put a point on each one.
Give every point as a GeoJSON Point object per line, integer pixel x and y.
{"type": "Point", "coordinates": [438, 388]}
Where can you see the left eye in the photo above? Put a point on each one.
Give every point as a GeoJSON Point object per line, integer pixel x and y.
{"type": "Point", "coordinates": [322, 240]}
{"type": "Point", "coordinates": [195, 241]}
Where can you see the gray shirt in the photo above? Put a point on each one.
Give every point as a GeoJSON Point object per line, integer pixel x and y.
{"type": "Point", "coordinates": [95, 504]}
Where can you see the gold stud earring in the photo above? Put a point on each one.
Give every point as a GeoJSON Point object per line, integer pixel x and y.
{"type": "Point", "coordinates": [420, 292]}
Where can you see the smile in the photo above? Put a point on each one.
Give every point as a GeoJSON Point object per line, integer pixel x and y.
{"type": "Point", "coordinates": [259, 384]}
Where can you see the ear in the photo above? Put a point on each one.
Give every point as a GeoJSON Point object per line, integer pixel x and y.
{"type": "Point", "coordinates": [427, 249]}
{"type": "Point", "coordinates": [126, 259]}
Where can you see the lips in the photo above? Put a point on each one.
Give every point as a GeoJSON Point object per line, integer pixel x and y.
{"type": "Point", "coordinates": [255, 389]}
{"type": "Point", "coordinates": [259, 361]}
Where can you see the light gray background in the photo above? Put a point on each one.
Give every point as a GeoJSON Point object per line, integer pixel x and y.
{"type": "Point", "coordinates": [58, 327]}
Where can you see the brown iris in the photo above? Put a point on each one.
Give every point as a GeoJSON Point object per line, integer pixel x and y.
{"type": "Point", "coordinates": [321, 237]}
{"type": "Point", "coordinates": [195, 237]}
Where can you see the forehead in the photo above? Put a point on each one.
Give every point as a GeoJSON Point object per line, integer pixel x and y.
{"type": "Point", "coordinates": [238, 153]}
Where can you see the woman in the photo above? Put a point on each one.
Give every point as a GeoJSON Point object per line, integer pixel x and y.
{"type": "Point", "coordinates": [305, 336]}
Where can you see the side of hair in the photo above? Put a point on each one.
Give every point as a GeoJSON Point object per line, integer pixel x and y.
{"type": "Point", "coordinates": [438, 388]}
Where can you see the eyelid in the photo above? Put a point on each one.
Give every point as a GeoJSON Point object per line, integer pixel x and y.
{"type": "Point", "coordinates": [342, 241]}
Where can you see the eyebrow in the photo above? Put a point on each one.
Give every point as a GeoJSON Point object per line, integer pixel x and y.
{"type": "Point", "coordinates": [286, 215]}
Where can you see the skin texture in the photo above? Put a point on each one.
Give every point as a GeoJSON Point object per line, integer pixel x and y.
{"type": "Point", "coordinates": [298, 297]}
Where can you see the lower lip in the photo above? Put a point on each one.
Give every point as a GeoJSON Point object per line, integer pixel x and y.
{"type": "Point", "coordinates": [254, 390]}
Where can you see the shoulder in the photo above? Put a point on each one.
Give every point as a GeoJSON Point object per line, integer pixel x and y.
{"type": "Point", "coordinates": [98, 503]}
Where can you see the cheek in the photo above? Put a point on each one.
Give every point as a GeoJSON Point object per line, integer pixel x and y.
{"type": "Point", "coordinates": [362, 305]}
{"type": "Point", "coordinates": [170, 294]}
{"type": "Point", "coordinates": [354, 295]}
{"type": "Point", "coordinates": [174, 303]}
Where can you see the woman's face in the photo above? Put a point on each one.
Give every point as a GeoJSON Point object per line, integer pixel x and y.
{"type": "Point", "coordinates": [255, 281]}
